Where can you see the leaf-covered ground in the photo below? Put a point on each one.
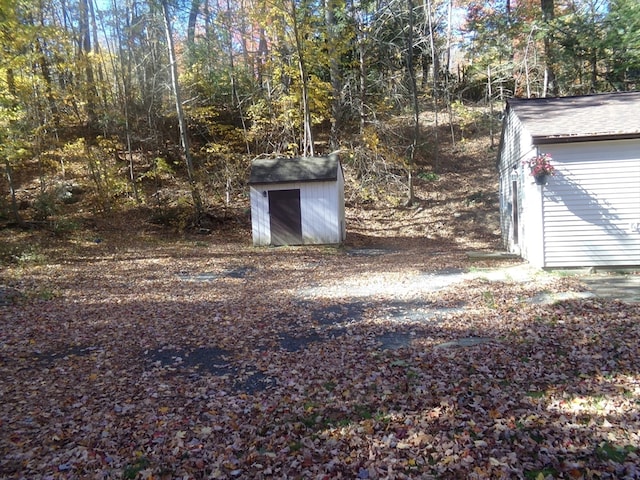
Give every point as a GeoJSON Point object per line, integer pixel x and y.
{"type": "Point", "coordinates": [203, 359]}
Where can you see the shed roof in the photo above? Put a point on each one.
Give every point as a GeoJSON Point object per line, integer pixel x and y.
{"type": "Point", "coordinates": [303, 169]}
{"type": "Point", "coordinates": [582, 118]}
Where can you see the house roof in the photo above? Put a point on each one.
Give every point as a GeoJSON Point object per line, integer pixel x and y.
{"type": "Point", "coordinates": [583, 118]}
{"type": "Point", "coordinates": [303, 169]}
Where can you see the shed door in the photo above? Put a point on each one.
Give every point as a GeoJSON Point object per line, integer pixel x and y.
{"type": "Point", "coordinates": [284, 217]}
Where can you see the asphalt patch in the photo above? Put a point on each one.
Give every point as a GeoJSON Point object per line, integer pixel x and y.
{"type": "Point", "coordinates": [338, 313]}
{"type": "Point", "coordinates": [215, 361]}
{"type": "Point", "coordinates": [368, 252]}
{"type": "Point", "coordinates": [394, 340]}
{"type": "Point", "coordinates": [235, 272]}
{"type": "Point", "coordinates": [421, 312]}
{"type": "Point", "coordinates": [50, 357]}
{"type": "Point", "coordinates": [210, 359]}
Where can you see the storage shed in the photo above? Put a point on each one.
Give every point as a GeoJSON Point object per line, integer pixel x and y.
{"type": "Point", "coordinates": [588, 213]}
{"type": "Point", "coordinates": [296, 201]}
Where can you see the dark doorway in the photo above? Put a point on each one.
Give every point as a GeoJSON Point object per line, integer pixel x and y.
{"type": "Point", "coordinates": [284, 217]}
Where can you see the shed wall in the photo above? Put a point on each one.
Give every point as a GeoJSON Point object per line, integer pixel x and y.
{"type": "Point", "coordinates": [321, 208]}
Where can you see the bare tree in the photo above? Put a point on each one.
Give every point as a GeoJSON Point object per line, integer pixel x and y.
{"type": "Point", "coordinates": [307, 137]}
{"type": "Point", "coordinates": [334, 73]}
{"type": "Point", "coordinates": [84, 49]}
{"type": "Point", "coordinates": [550, 84]}
{"type": "Point", "coordinates": [434, 61]}
{"type": "Point", "coordinates": [182, 122]}
{"type": "Point", "coordinates": [414, 100]}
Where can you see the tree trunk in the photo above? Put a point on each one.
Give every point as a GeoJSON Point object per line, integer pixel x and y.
{"type": "Point", "coordinates": [307, 137]}
{"type": "Point", "coordinates": [125, 72]}
{"type": "Point", "coordinates": [434, 61]}
{"type": "Point", "coordinates": [182, 123]}
{"type": "Point", "coordinates": [46, 76]}
{"type": "Point", "coordinates": [362, 104]}
{"type": "Point", "coordinates": [414, 100]}
{"type": "Point", "coordinates": [12, 191]}
{"type": "Point", "coordinates": [550, 83]}
{"type": "Point", "coordinates": [84, 49]}
{"type": "Point", "coordinates": [232, 66]}
{"type": "Point", "coordinates": [191, 25]}
{"type": "Point", "coordinates": [490, 98]}
{"type": "Point", "coordinates": [334, 75]}
{"type": "Point", "coordinates": [362, 66]}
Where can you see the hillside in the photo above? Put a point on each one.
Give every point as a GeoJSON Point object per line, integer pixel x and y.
{"type": "Point", "coordinates": [455, 206]}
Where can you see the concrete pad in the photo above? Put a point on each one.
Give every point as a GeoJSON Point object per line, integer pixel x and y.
{"type": "Point", "coordinates": [551, 298]}
{"type": "Point", "coordinates": [465, 342]}
{"type": "Point", "coordinates": [491, 255]}
{"type": "Point", "coordinates": [623, 287]}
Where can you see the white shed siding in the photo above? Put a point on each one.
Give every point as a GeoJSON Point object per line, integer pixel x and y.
{"type": "Point", "coordinates": [260, 215]}
{"type": "Point", "coordinates": [319, 204]}
{"type": "Point", "coordinates": [320, 207]}
{"type": "Point", "coordinates": [590, 205]}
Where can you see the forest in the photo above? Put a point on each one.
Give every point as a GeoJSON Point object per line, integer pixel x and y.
{"type": "Point", "coordinates": [163, 103]}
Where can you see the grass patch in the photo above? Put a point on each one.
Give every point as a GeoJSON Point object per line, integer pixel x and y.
{"type": "Point", "coordinates": [609, 451]}
{"type": "Point", "coordinates": [536, 394]}
{"type": "Point", "coordinates": [541, 474]}
{"type": "Point", "coordinates": [132, 471]}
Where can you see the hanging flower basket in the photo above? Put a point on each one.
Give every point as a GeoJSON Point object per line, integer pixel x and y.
{"type": "Point", "coordinates": [540, 167]}
{"type": "Point", "coordinates": [541, 179]}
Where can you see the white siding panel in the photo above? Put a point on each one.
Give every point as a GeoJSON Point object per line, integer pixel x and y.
{"type": "Point", "coordinates": [320, 210]}
{"type": "Point", "coordinates": [260, 226]}
{"type": "Point", "coordinates": [515, 147]}
{"type": "Point", "coordinates": [590, 205]}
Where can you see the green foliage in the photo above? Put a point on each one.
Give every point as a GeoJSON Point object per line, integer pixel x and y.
{"type": "Point", "coordinates": [493, 30]}
{"type": "Point", "coordinates": [31, 255]}
{"type": "Point", "coordinates": [64, 226]}
{"type": "Point", "coordinates": [622, 44]}
{"type": "Point", "coordinates": [46, 205]}
{"type": "Point", "coordinates": [160, 169]}
{"type": "Point", "coordinates": [102, 169]}
{"type": "Point", "coordinates": [541, 474]}
{"type": "Point", "coordinates": [429, 176]}
{"type": "Point", "coordinates": [276, 123]}
{"type": "Point", "coordinates": [11, 252]}
{"type": "Point", "coordinates": [466, 117]}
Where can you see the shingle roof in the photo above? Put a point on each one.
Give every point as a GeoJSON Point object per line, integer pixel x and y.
{"type": "Point", "coordinates": [569, 119]}
{"type": "Point", "coordinates": [305, 169]}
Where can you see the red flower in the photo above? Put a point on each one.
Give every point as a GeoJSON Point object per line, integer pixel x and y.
{"type": "Point", "coordinates": [540, 165]}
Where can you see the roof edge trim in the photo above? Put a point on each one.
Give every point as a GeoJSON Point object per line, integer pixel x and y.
{"type": "Point", "coordinates": [546, 140]}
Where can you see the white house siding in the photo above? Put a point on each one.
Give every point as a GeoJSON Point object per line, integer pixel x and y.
{"type": "Point", "coordinates": [342, 219]}
{"type": "Point", "coordinates": [591, 207]}
{"type": "Point", "coordinates": [320, 207]}
{"type": "Point", "coordinates": [516, 147]}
